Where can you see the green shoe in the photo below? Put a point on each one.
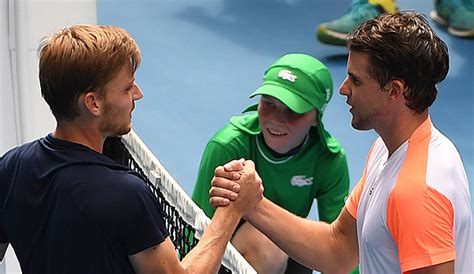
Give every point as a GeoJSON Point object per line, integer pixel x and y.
{"type": "Point", "coordinates": [360, 11]}
{"type": "Point", "coordinates": [457, 15]}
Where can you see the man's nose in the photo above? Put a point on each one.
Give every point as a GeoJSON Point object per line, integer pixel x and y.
{"type": "Point", "coordinates": [344, 88]}
{"type": "Point", "coordinates": [138, 93]}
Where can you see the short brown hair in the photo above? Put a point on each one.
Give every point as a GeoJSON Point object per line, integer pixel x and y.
{"type": "Point", "coordinates": [403, 46]}
{"type": "Point", "coordinates": [82, 58]}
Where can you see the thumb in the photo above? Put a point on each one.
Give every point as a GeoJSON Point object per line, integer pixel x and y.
{"type": "Point", "coordinates": [249, 165]}
{"type": "Point", "coordinates": [235, 165]}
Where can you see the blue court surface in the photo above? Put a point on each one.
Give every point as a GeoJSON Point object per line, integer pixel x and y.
{"type": "Point", "coordinates": [201, 60]}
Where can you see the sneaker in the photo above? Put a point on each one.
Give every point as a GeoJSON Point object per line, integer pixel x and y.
{"type": "Point", "coordinates": [360, 11]}
{"type": "Point", "coordinates": [457, 15]}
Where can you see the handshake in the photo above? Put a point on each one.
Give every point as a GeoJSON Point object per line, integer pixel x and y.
{"type": "Point", "coordinates": [238, 185]}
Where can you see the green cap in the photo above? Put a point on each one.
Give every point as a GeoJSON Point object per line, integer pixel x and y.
{"type": "Point", "coordinates": [302, 83]}
{"type": "Point", "coordinates": [299, 81]}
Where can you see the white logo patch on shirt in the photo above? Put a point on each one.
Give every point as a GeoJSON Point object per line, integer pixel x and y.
{"type": "Point", "coordinates": [285, 74]}
{"type": "Point", "coordinates": [301, 180]}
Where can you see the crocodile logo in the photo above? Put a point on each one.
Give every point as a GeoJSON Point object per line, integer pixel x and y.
{"type": "Point", "coordinates": [285, 74]}
{"type": "Point", "coordinates": [301, 180]}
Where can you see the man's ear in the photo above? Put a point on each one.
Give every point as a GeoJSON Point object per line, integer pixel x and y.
{"type": "Point", "coordinates": [396, 89]}
{"type": "Point", "coordinates": [92, 102]}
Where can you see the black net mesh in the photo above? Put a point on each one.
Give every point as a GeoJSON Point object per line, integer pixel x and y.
{"type": "Point", "coordinates": [181, 233]}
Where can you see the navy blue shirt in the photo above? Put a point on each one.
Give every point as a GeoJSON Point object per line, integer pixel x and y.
{"type": "Point", "coordinates": [65, 208]}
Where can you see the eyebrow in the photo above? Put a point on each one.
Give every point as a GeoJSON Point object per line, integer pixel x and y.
{"type": "Point", "coordinates": [353, 76]}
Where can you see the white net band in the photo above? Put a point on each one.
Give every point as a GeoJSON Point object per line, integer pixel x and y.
{"type": "Point", "coordinates": [178, 198]}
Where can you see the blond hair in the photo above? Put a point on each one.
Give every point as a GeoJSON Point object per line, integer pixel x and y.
{"type": "Point", "coordinates": [79, 59]}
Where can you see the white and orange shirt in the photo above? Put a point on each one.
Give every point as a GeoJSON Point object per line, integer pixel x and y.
{"type": "Point", "coordinates": [413, 209]}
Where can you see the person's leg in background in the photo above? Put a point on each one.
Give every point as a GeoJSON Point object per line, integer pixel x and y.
{"type": "Point", "coordinates": [360, 11]}
{"type": "Point", "coordinates": [457, 15]}
{"type": "Point", "coordinates": [264, 256]}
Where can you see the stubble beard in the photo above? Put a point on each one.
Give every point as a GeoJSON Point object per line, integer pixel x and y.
{"type": "Point", "coordinates": [114, 127]}
{"type": "Point", "coordinates": [360, 124]}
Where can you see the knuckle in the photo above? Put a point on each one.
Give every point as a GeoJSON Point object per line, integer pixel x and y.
{"type": "Point", "coordinates": [214, 202]}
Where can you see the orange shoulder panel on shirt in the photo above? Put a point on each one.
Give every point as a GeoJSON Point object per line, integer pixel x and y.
{"type": "Point", "coordinates": [419, 217]}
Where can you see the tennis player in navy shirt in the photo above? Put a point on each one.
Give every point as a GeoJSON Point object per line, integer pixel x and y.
{"type": "Point", "coordinates": [65, 207]}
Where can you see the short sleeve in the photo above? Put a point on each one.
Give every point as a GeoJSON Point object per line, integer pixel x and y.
{"type": "Point", "coordinates": [146, 226]}
{"type": "Point", "coordinates": [423, 231]}
{"type": "Point", "coordinates": [352, 202]}
{"type": "Point", "coordinates": [336, 188]}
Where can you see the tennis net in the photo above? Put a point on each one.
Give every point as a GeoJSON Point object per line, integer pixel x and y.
{"type": "Point", "coordinates": [184, 218]}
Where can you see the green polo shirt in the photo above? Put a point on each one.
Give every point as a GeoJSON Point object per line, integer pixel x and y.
{"type": "Point", "coordinates": [292, 182]}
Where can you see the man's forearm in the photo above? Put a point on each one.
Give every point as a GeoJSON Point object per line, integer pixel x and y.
{"type": "Point", "coordinates": [206, 257]}
{"type": "Point", "coordinates": [314, 244]}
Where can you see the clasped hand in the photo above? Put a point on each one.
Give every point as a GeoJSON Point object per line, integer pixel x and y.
{"type": "Point", "coordinates": [236, 183]}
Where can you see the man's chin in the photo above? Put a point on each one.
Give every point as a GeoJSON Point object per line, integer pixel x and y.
{"type": "Point", "coordinates": [122, 131]}
{"type": "Point", "coordinates": [360, 126]}
{"type": "Point", "coordinates": [125, 131]}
